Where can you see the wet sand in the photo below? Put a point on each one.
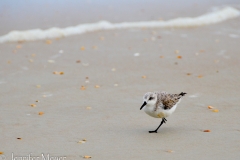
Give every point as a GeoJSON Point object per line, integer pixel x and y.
{"type": "Point", "coordinates": [113, 126]}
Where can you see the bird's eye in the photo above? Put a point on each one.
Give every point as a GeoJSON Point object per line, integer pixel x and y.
{"type": "Point", "coordinates": [150, 98]}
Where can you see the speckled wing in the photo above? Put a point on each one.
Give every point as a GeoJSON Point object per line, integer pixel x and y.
{"type": "Point", "coordinates": [167, 101]}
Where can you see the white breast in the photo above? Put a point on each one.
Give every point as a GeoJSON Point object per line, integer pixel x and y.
{"type": "Point", "coordinates": [159, 113]}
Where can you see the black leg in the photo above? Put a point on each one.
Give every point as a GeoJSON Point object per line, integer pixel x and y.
{"type": "Point", "coordinates": [163, 121]}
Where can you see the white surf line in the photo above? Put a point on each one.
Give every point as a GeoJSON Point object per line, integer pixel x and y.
{"type": "Point", "coordinates": [38, 34]}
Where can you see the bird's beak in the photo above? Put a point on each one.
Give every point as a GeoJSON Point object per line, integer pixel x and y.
{"type": "Point", "coordinates": [143, 105]}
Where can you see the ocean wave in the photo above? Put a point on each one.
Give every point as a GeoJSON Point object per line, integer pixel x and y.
{"type": "Point", "coordinates": [39, 34]}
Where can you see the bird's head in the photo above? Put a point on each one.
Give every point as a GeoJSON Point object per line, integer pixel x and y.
{"type": "Point", "coordinates": [150, 98]}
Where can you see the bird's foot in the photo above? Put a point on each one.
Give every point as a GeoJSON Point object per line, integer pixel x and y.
{"type": "Point", "coordinates": [153, 131]}
{"type": "Point", "coordinates": [164, 120]}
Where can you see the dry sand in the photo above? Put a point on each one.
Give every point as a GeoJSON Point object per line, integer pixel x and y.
{"type": "Point", "coordinates": [114, 127]}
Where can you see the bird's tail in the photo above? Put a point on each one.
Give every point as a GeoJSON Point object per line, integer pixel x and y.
{"type": "Point", "coordinates": [182, 94]}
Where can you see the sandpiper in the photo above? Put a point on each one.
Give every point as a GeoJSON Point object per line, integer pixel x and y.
{"type": "Point", "coordinates": [160, 105]}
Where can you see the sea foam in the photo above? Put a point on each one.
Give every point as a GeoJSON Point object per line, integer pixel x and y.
{"type": "Point", "coordinates": [39, 34]}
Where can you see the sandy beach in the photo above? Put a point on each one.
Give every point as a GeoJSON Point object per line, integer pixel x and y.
{"type": "Point", "coordinates": [80, 95]}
